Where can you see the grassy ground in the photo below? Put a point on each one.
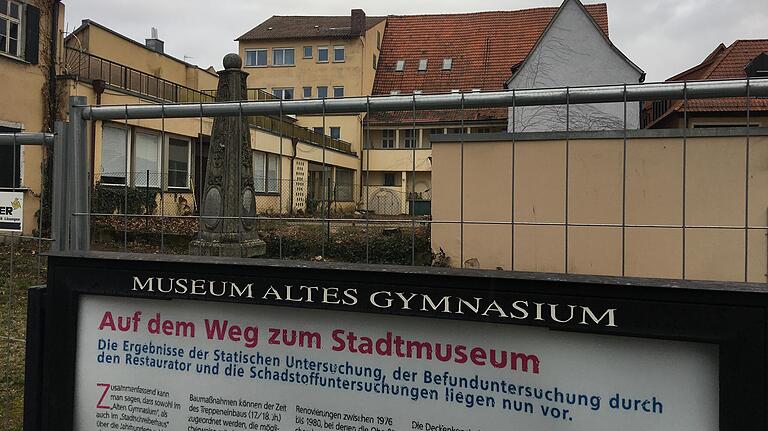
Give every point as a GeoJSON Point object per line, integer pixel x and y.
{"type": "Point", "coordinates": [28, 270]}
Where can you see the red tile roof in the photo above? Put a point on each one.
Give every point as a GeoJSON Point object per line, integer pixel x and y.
{"type": "Point", "coordinates": [723, 63]}
{"type": "Point", "coordinates": [484, 46]}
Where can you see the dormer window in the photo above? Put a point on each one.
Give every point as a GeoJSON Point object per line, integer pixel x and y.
{"type": "Point", "coordinates": [399, 65]}
{"type": "Point", "coordinates": [447, 63]}
{"type": "Point", "coordinates": [423, 65]}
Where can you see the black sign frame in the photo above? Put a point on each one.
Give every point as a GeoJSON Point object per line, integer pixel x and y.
{"type": "Point", "coordinates": [733, 316]}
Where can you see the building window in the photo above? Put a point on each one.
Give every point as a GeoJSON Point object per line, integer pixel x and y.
{"type": "Point", "coordinates": [114, 141]}
{"type": "Point", "coordinates": [387, 139]}
{"type": "Point", "coordinates": [307, 92]}
{"type": "Point", "coordinates": [399, 65]}
{"type": "Point", "coordinates": [338, 53]}
{"type": "Point", "coordinates": [344, 184]}
{"type": "Point", "coordinates": [322, 54]}
{"type": "Point", "coordinates": [375, 60]}
{"type": "Point", "coordinates": [10, 27]}
{"type": "Point", "coordinates": [255, 57]}
{"type": "Point", "coordinates": [283, 93]}
{"type": "Point", "coordinates": [417, 91]}
{"type": "Point", "coordinates": [322, 92]}
{"type": "Point", "coordinates": [410, 138]}
{"type": "Point", "coordinates": [282, 57]}
{"type": "Point", "coordinates": [338, 92]}
{"type": "Point", "coordinates": [146, 160]}
{"type": "Point", "coordinates": [394, 92]}
{"type": "Point", "coordinates": [447, 63]}
{"type": "Point", "coordinates": [10, 163]}
{"type": "Point", "coordinates": [307, 52]}
{"type": "Point", "coordinates": [389, 179]}
{"type": "Point", "coordinates": [265, 172]}
{"type": "Point", "coordinates": [179, 154]}
{"type": "Point", "coordinates": [336, 132]}
{"type": "Point", "coordinates": [378, 40]}
{"type": "Point", "coordinates": [318, 130]}
{"type": "Point", "coordinates": [423, 65]}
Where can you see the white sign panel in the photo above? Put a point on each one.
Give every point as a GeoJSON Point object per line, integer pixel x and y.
{"type": "Point", "coordinates": [11, 211]}
{"type": "Point", "coordinates": [201, 366]}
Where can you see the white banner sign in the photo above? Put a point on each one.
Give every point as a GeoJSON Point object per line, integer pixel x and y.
{"type": "Point", "coordinates": [203, 366]}
{"type": "Point", "coordinates": [11, 211]}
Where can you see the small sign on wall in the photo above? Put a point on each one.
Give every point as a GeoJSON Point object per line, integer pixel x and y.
{"type": "Point", "coordinates": [11, 211]}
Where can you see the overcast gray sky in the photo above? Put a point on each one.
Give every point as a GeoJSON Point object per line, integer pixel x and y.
{"type": "Point", "coordinates": [663, 37]}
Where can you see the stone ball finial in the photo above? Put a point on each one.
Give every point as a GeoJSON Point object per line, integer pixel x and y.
{"type": "Point", "coordinates": [232, 61]}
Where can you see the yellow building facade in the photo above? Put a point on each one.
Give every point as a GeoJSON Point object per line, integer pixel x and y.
{"type": "Point", "coordinates": [27, 83]}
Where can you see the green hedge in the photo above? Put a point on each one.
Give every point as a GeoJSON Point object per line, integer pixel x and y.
{"type": "Point", "coordinates": [348, 244]}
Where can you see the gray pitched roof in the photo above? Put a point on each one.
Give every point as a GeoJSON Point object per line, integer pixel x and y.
{"type": "Point", "coordinates": [306, 27]}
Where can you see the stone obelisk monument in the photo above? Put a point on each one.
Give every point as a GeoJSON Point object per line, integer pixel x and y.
{"type": "Point", "coordinates": [228, 201]}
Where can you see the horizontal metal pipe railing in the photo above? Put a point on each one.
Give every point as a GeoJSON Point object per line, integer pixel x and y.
{"type": "Point", "coordinates": [427, 221]}
{"type": "Point", "coordinates": [496, 99]}
{"type": "Point", "coordinates": [26, 138]}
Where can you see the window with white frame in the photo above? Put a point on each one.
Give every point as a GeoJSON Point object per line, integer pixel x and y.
{"type": "Point", "coordinates": [10, 27]}
{"type": "Point", "coordinates": [322, 92]}
{"type": "Point", "coordinates": [410, 138]}
{"type": "Point", "coordinates": [307, 52]}
{"type": "Point", "coordinates": [338, 53]}
{"type": "Point", "coordinates": [447, 63]}
{"type": "Point", "coordinates": [283, 93]}
{"type": "Point", "coordinates": [265, 172]}
{"type": "Point", "coordinates": [283, 57]}
{"type": "Point", "coordinates": [273, 172]}
{"type": "Point", "coordinates": [387, 139]}
{"type": "Point", "coordinates": [423, 65]}
{"type": "Point", "coordinates": [322, 54]}
{"type": "Point", "coordinates": [10, 162]}
{"type": "Point", "coordinates": [307, 92]}
{"type": "Point", "coordinates": [114, 141]}
{"type": "Point", "coordinates": [338, 92]}
{"type": "Point", "coordinates": [179, 154]}
{"type": "Point", "coordinates": [335, 132]}
{"type": "Point", "coordinates": [399, 65]}
{"type": "Point", "coordinates": [256, 57]}
{"type": "Point", "coordinates": [344, 185]}
{"type": "Point", "coordinates": [146, 160]}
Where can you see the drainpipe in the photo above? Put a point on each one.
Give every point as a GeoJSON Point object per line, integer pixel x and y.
{"type": "Point", "coordinates": [294, 144]}
{"type": "Point", "coordinates": [99, 85]}
{"type": "Point", "coordinates": [52, 85]}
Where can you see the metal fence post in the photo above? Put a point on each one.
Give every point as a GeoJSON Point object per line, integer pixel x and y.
{"type": "Point", "coordinates": [59, 199]}
{"type": "Point", "coordinates": [79, 180]}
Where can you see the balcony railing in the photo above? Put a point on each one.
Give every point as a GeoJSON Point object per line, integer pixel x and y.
{"type": "Point", "coordinates": [87, 66]}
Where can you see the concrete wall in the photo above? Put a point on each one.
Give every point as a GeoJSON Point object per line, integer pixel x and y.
{"type": "Point", "coordinates": [714, 206]}
{"type": "Point", "coordinates": [573, 52]}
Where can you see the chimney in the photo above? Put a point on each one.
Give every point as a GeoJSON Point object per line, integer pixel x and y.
{"type": "Point", "coordinates": [358, 22]}
{"type": "Point", "coordinates": [154, 43]}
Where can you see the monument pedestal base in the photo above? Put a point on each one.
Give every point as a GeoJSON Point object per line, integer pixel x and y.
{"type": "Point", "coordinates": [247, 248]}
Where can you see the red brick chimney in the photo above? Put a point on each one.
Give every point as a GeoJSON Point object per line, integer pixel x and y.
{"type": "Point", "coordinates": [358, 22]}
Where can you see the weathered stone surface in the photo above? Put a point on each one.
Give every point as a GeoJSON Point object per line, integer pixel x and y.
{"type": "Point", "coordinates": [228, 203]}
